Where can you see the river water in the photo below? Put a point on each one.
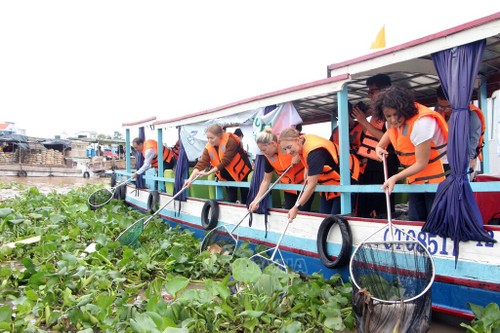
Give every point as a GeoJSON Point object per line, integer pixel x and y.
{"type": "Point", "coordinates": [45, 184]}
{"type": "Point", "coordinates": [66, 184]}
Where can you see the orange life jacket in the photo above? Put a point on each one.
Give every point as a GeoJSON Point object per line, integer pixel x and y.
{"type": "Point", "coordinates": [238, 168]}
{"type": "Point", "coordinates": [152, 144]}
{"type": "Point", "coordinates": [329, 176]}
{"type": "Point", "coordinates": [354, 144]}
{"type": "Point", "coordinates": [369, 142]}
{"type": "Point", "coordinates": [354, 137]}
{"type": "Point", "coordinates": [280, 162]}
{"type": "Point", "coordinates": [405, 150]}
{"type": "Point", "coordinates": [176, 150]}
{"type": "Point", "coordinates": [479, 149]}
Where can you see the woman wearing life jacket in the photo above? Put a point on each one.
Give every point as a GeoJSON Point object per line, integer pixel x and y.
{"type": "Point", "coordinates": [373, 204]}
{"type": "Point", "coordinates": [419, 136]}
{"type": "Point", "coordinates": [149, 150]}
{"type": "Point", "coordinates": [320, 157]}
{"type": "Point", "coordinates": [228, 161]}
{"type": "Point", "coordinates": [277, 160]}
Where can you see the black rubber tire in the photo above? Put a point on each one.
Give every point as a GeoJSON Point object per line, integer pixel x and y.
{"type": "Point", "coordinates": [22, 173]}
{"type": "Point", "coordinates": [211, 206]}
{"type": "Point", "coordinates": [122, 193]}
{"type": "Point", "coordinates": [86, 174]}
{"type": "Point", "coordinates": [117, 194]}
{"type": "Point", "coordinates": [153, 201]}
{"type": "Point", "coordinates": [345, 252]}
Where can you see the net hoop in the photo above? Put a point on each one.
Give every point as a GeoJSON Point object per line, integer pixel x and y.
{"type": "Point", "coordinates": [212, 234]}
{"type": "Point", "coordinates": [411, 240]}
{"type": "Point", "coordinates": [131, 234]}
{"type": "Point", "coordinates": [95, 195]}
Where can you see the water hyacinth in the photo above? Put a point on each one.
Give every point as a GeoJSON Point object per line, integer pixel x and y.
{"type": "Point", "coordinates": [70, 275]}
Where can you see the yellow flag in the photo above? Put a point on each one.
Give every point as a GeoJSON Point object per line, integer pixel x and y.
{"type": "Point", "coordinates": [379, 42]}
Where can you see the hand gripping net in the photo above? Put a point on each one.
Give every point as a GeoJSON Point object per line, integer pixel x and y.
{"type": "Point", "coordinates": [392, 275]}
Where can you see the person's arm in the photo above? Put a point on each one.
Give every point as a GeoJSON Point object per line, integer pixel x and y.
{"type": "Point", "coordinates": [381, 147]}
{"type": "Point", "coordinates": [315, 160]}
{"type": "Point", "coordinates": [475, 133]}
{"type": "Point", "coordinates": [150, 154]}
{"type": "Point", "coordinates": [422, 154]}
{"type": "Point", "coordinates": [203, 162]}
{"type": "Point", "coordinates": [266, 181]}
{"type": "Point", "coordinates": [308, 192]}
{"type": "Point", "coordinates": [367, 126]}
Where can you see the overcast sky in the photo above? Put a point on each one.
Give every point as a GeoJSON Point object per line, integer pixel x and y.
{"type": "Point", "coordinates": [68, 65]}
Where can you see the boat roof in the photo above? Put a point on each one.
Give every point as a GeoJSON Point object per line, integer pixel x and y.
{"type": "Point", "coordinates": [409, 64]}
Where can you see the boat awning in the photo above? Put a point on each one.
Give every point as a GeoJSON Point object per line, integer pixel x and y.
{"type": "Point", "coordinates": [57, 144]}
{"type": "Point", "coordinates": [21, 141]}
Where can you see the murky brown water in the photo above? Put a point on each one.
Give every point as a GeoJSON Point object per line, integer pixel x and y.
{"type": "Point", "coordinates": [45, 184]}
{"type": "Point", "coordinates": [65, 184]}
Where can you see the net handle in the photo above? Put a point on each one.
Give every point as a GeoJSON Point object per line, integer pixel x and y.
{"type": "Point", "coordinates": [170, 200]}
{"type": "Point", "coordinates": [288, 223]}
{"type": "Point", "coordinates": [120, 184]}
{"type": "Point", "coordinates": [262, 197]}
{"type": "Point", "coordinates": [387, 197]}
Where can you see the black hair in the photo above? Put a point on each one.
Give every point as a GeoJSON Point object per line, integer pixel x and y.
{"type": "Point", "coordinates": [398, 98]}
{"type": "Point", "coordinates": [440, 93]}
{"type": "Point", "coordinates": [381, 81]}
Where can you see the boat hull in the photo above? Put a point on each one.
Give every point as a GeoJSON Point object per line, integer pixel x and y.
{"type": "Point", "coordinates": [474, 278]}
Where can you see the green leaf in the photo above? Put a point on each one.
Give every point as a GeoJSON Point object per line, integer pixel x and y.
{"type": "Point", "coordinates": [178, 283]}
{"type": "Point", "coordinates": [143, 323]}
{"type": "Point", "coordinates": [294, 327]}
{"type": "Point", "coordinates": [245, 270]}
{"type": "Point", "coordinates": [104, 301]}
{"type": "Point", "coordinates": [176, 330]}
{"type": "Point", "coordinates": [5, 314]}
{"type": "Point", "coordinates": [56, 218]}
{"type": "Point", "coordinates": [4, 212]}
{"type": "Point", "coordinates": [252, 314]}
{"type": "Point", "coordinates": [334, 323]}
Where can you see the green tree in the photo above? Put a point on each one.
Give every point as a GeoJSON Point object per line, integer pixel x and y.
{"type": "Point", "coordinates": [117, 135]}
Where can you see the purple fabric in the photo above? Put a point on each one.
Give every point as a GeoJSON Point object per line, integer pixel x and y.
{"type": "Point", "coordinates": [139, 161]}
{"type": "Point", "coordinates": [258, 175]}
{"type": "Point", "coordinates": [181, 171]}
{"type": "Point", "coordinates": [455, 213]}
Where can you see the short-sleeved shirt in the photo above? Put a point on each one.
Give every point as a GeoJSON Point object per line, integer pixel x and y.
{"type": "Point", "coordinates": [427, 128]}
{"type": "Point", "coordinates": [317, 159]}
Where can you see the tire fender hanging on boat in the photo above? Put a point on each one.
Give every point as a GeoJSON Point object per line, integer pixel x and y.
{"type": "Point", "coordinates": [122, 193]}
{"type": "Point", "coordinates": [113, 180]}
{"type": "Point", "coordinates": [153, 201]}
{"type": "Point", "coordinates": [22, 173]}
{"type": "Point", "coordinates": [343, 257]}
{"type": "Point", "coordinates": [86, 174]}
{"type": "Point", "coordinates": [210, 207]}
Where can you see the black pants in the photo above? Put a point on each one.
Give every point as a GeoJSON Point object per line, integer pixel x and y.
{"type": "Point", "coordinates": [373, 204]}
{"type": "Point", "coordinates": [232, 193]}
{"type": "Point", "coordinates": [291, 199]}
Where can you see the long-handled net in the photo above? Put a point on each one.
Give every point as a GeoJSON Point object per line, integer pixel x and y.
{"type": "Point", "coordinates": [131, 234]}
{"type": "Point", "coordinates": [102, 196]}
{"type": "Point", "coordinates": [392, 275]}
{"type": "Point", "coordinates": [224, 238]}
{"type": "Point", "coordinates": [263, 260]}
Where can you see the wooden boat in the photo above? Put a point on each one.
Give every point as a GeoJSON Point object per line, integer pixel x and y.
{"type": "Point", "coordinates": [318, 243]}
